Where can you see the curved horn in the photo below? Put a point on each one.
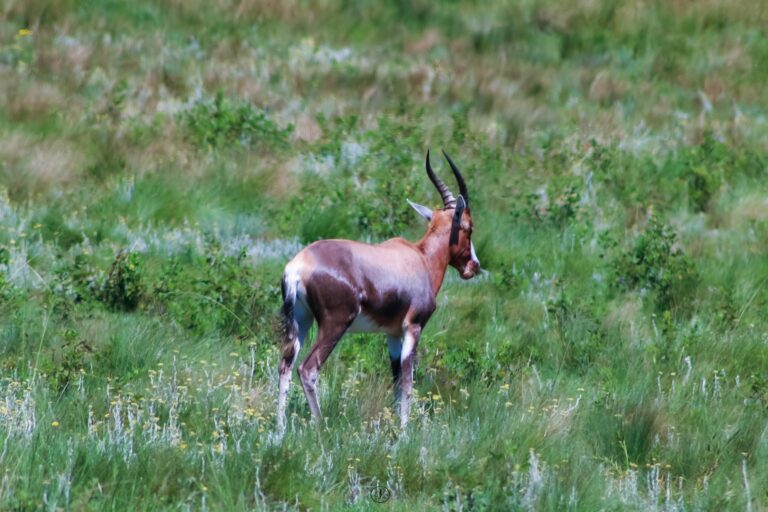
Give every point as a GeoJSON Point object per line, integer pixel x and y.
{"type": "Point", "coordinates": [456, 222]}
{"type": "Point", "coordinates": [448, 200]}
{"type": "Point", "coordinates": [459, 178]}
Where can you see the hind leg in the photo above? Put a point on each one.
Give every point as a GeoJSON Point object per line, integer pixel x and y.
{"type": "Point", "coordinates": [328, 335]}
{"type": "Point", "coordinates": [295, 334]}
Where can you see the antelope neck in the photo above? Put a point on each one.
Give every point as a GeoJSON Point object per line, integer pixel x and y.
{"type": "Point", "coordinates": [436, 250]}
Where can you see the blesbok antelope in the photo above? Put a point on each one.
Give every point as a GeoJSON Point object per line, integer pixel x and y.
{"type": "Point", "coordinates": [390, 287]}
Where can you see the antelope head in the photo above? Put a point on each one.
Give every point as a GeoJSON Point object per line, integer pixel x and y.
{"type": "Point", "coordinates": [454, 218]}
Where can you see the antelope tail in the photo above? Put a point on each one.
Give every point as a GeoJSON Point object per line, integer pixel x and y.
{"type": "Point", "coordinates": [287, 310]}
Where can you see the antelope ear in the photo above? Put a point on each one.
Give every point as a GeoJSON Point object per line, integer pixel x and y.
{"type": "Point", "coordinates": [421, 210]}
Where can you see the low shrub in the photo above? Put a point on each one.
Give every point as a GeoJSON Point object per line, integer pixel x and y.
{"type": "Point", "coordinates": [224, 123]}
{"type": "Point", "coordinates": [217, 292]}
{"type": "Point", "coordinates": [656, 264]}
{"type": "Point", "coordinates": [123, 288]}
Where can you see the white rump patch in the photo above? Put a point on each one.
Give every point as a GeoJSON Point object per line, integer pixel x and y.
{"type": "Point", "coordinates": [293, 283]}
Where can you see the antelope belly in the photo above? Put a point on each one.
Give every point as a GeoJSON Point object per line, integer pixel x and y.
{"type": "Point", "coordinates": [364, 323]}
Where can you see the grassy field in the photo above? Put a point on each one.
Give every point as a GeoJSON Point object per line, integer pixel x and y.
{"type": "Point", "coordinates": [161, 161]}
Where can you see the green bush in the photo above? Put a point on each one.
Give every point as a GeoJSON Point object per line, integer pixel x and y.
{"type": "Point", "coordinates": [67, 361]}
{"type": "Point", "coordinates": [558, 210]}
{"type": "Point", "coordinates": [654, 264]}
{"type": "Point", "coordinates": [703, 168]}
{"type": "Point", "coordinates": [123, 288]}
{"type": "Point", "coordinates": [77, 282]}
{"type": "Point", "coordinates": [224, 123]}
{"type": "Point", "coordinates": [217, 292]}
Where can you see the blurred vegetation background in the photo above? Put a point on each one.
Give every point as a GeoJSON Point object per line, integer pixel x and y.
{"type": "Point", "coordinates": [161, 161]}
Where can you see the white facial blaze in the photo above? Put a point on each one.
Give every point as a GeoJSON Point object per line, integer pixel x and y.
{"type": "Point", "coordinates": [472, 253]}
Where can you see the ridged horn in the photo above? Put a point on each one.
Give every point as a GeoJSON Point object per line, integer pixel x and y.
{"type": "Point", "coordinates": [459, 178]}
{"type": "Point", "coordinates": [448, 200]}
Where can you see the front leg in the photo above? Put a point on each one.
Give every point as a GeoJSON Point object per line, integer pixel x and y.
{"type": "Point", "coordinates": [410, 342]}
{"type": "Point", "coordinates": [395, 347]}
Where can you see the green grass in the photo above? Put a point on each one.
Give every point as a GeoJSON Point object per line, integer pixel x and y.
{"type": "Point", "coordinates": [161, 161]}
